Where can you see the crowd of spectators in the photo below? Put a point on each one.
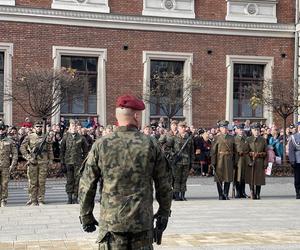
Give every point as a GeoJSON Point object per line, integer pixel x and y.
{"type": "Point", "coordinates": [203, 137]}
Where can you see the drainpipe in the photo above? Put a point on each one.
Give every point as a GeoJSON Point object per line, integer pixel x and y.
{"type": "Point", "coordinates": [296, 58]}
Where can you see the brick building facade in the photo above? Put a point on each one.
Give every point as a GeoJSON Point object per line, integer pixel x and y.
{"type": "Point", "coordinates": [223, 43]}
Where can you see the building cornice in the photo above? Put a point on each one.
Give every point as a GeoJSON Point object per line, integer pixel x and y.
{"type": "Point", "coordinates": [145, 23]}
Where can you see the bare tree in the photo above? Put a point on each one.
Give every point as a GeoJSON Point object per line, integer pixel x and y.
{"type": "Point", "coordinates": [279, 97]}
{"type": "Point", "coordinates": [170, 92]}
{"type": "Point", "coordinates": [41, 91]}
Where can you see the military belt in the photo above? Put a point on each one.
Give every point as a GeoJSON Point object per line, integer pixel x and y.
{"type": "Point", "coordinates": [225, 153]}
{"type": "Point", "coordinates": [258, 154]}
{"type": "Point", "coordinates": [243, 153]}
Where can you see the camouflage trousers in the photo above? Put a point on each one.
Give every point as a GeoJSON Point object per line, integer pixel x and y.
{"type": "Point", "coordinates": [181, 173]}
{"type": "Point", "coordinates": [73, 177]}
{"type": "Point", "coordinates": [127, 241]}
{"type": "Point", "coordinates": [4, 177]}
{"type": "Point", "coordinates": [37, 175]}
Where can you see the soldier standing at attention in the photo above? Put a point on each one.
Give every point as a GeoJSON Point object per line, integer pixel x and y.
{"type": "Point", "coordinates": [128, 162]}
{"type": "Point", "coordinates": [255, 171]}
{"type": "Point", "coordinates": [73, 150]}
{"type": "Point", "coordinates": [184, 152]}
{"type": "Point", "coordinates": [222, 159]}
{"type": "Point", "coordinates": [242, 161]}
{"type": "Point", "coordinates": [294, 158]}
{"type": "Point", "coordinates": [8, 161]}
{"type": "Point", "coordinates": [37, 163]}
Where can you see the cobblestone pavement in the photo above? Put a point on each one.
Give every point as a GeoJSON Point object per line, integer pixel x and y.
{"type": "Point", "coordinates": [200, 223]}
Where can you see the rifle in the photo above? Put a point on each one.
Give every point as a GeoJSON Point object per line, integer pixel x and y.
{"type": "Point", "coordinates": [37, 150]}
{"type": "Point", "coordinates": [177, 155]}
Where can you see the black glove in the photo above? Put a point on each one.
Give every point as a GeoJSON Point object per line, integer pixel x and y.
{"type": "Point", "coordinates": [63, 168]}
{"type": "Point", "coordinates": [160, 226]}
{"type": "Point", "coordinates": [89, 228]}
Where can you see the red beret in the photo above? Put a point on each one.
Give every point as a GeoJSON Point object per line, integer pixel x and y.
{"type": "Point", "coordinates": [130, 101]}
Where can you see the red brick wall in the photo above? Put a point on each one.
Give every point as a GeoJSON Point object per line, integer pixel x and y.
{"type": "Point", "coordinates": [124, 69]}
{"type": "Point", "coordinates": [132, 7]}
{"type": "Point", "coordinates": [204, 9]}
{"type": "Point", "coordinates": [34, 3]}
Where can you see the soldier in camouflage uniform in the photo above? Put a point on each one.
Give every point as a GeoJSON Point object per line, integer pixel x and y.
{"type": "Point", "coordinates": [167, 142]}
{"type": "Point", "coordinates": [37, 166]}
{"type": "Point", "coordinates": [129, 162]}
{"type": "Point", "coordinates": [8, 161]}
{"type": "Point", "coordinates": [222, 158]}
{"type": "Point", "coordinates": [255, 171]}
{"type": "Point", "coordinates": [184, 164]}
{"type": "Point", "coordinates": [242, 161]}
{"type": "Point", "coordinates": [73, 150]}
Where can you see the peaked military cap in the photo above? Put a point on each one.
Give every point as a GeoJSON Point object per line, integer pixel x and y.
{"type": "Point", "coordinates": [38, 123]}
{"type": "Point", "coordinates": [255, 126]}
{"type": "Point", "coordinates": [292, 126]}
{"type": "Point", "coordinates": [182, 124]}
{"type": "Point", "coordinates": [130, 101]}
{"type": "Point", "coordinates": [223, 124]}
{"type": "Point", "coordinates": [240, 126]}
{"type": "Point", "coordinates": [2, 126]}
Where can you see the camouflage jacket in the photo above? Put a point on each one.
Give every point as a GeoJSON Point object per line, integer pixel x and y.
{"type": "Point", "coordinates": [128, 162]}
{"type": "Point", "coordinates": [32, 141]}
{"type": "Point", "coordinates": [8, 153]}
{"type": "Point", "coordinates": [167, 142]}
{"type": "Point", "coordinates": [73, 149]}
{"type": "Point", "coordinates": [187, 156]}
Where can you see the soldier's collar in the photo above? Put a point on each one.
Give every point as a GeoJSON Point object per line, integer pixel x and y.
{"type": "Point", "coordinates": [126, 128]}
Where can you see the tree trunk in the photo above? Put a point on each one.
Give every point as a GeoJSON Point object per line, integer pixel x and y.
{"type": "Point", "coordinates": [284, 141]}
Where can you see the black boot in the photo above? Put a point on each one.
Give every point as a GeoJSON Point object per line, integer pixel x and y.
{"type": "Point", "coordinates": [70, 201]}
{"type": "Point", "coordinates": [258, 188]}
{"type": "Point", "coordinates": [297, 193]}
{"type": "Point", "coordinates": [75, 199]}
{"type": "Point", "coordinates": [226, 190]}
{"type": "Point", "coordinates": [237, 190]}
{"type": "Point", "coordinates": [182, 196]}
{"type": "Point", "coordinates": [176, 195]}
{"type": "Point", "coordinates": [220, 192]}
{"type": "Point", "coordinates": [253, 193]}
{"type": "Point", "coordinates": [242, 190]}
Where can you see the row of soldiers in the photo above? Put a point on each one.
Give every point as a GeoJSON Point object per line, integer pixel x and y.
{"type": "Point", "coordinates": [236, 159]}
{"type": "Point", "coordinates": [37, 150]}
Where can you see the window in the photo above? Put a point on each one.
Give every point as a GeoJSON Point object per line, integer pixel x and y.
{"type": "Point", "coordinates": [246, 77]}
{"type": "Point", "coordinates": [86, 102]}
{"type": "Point", "coordinates": [1, 81]}
{"type": "Point", "coordinates": [82, 5]}
{"type": "Point", "coordinates": [7, 2]}
{"type": "Point", "coordinates": [169, 8]}
{"type": "Point", "coordinates": [158, 68]}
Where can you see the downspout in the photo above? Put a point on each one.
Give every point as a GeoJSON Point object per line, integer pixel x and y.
{"type": "Point", "coordinates": [296, 59]}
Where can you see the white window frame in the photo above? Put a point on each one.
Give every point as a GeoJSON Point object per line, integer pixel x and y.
{"type": "Point", "coordinates": [7, 48]}
{"type": "Point", "coordinates": [8, 2]}
{"type": "Point", "coordinates": [234, 59]}
{"type": "Point", "coordinates": [59, 51]}
{"type": "Point", "coordinates": [101, 7]}
{"type": "Point", "coordinates": [187, 58]}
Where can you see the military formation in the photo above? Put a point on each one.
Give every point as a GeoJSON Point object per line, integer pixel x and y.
{"type": "Point", "coordinates": [129, 164]}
